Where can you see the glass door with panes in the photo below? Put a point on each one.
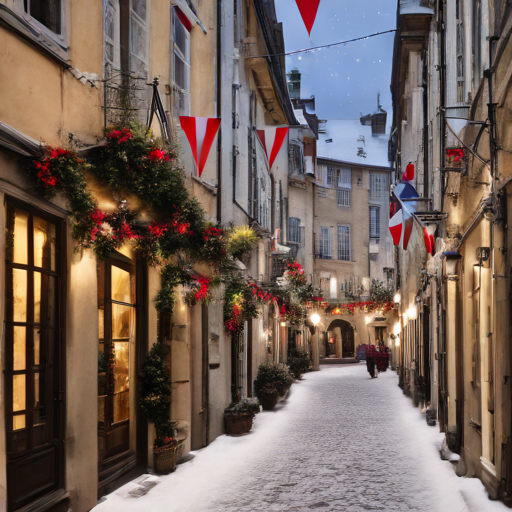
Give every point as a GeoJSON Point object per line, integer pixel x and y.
{"type": "Point", "coordinates": [32, 394]}
{"type": "Point", "coordinates": [116, 359]}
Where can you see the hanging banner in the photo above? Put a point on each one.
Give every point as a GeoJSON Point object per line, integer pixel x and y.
{"type": "Point", "coordinates": [200, 132]}
{"type": "Point", "coordinates": [308, 10]}
{"type": "Point", "coordinates": [272, 141]}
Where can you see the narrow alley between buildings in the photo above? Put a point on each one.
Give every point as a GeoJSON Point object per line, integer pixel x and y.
{"type": "Point", "coordinates": [340, 441]}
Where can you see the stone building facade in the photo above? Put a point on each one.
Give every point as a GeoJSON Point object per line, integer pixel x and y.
{"type": "Point", "coordinates": [69, 70]}
{"type": "Point", "coordinates": [450, 89]}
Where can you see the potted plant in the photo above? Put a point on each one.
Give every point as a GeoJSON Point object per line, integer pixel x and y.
{"type": "Point", "coordinates": [298, 361]}
{"type": "Point", "coordinates": [164, 449]}
{"type": "Point", "coordinates": [155, 401]}
{"type": "Point", "coordinates": [272, 379]}
{"type": "Point", "coordinates": [268, 395]}
{"type": "Point", "coordinates": [238, 417]}
{"type": "Point", "coordinates": [241, 241]}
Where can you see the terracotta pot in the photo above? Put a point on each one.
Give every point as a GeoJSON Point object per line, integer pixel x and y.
{"type": "Point", "coordinates": [268, 400]}
{"type": "Point", "coordinates": [164, 459]}
{"type": "Point", "coordinates": [237, 424]}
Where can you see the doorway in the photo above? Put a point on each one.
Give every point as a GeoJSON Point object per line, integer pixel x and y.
{"type": "Point", "coordinates": [34, 359]}
{"type": "Point", "coordinates": [119, 354]}
{"type": "Point", "coordinates": [343, 334]}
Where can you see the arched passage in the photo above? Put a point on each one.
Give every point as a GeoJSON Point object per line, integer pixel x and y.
{"type": "Point", "coordinates": [342, 333]}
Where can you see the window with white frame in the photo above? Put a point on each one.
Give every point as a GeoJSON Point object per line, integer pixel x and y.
{"type": "Point", "coordinates": [331, 175]}
{"type": "Point", "coordinates": [344, 243]}
{"type": "Point", "coordinates": [325, 245]}
{"type": "Point", "coordinates": [47, 12]}
{"type": "Point", "coordinates": [139, 38]}
{"type": "Point", "coordinates": [294, 230]}
{"type": "Point", "coordinates": [112, 37]}
{"type": "Point", "coordinates": [345, 178]}
{"type": "Point", "coordinates": [181, 64]}
{"type": "Point", "coordinates": [343, 197]}
{"type": "Point", "coordinates": [374, 222]}
{"type": "Point", "coordinates": [378, 184]}
{"type": "Point", "coordinates": [459, 15]}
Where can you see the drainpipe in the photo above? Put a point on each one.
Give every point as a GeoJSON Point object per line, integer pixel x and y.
{"type": "Point", "coordinates": [219, 105]}
{"type": "Point", "coordinates": [491, 106]}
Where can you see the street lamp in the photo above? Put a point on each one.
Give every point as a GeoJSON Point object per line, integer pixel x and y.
{"type": "Point", "coordinates": [315, 347]}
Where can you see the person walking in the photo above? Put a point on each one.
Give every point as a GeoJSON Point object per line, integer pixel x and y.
{"type": "Point", "coordinates": [370, 361]}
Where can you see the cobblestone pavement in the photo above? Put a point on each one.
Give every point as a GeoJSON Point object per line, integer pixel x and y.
{"type": "Point", "coordinates": [339, 442]}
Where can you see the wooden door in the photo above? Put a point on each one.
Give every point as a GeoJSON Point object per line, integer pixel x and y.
{"type": "Point", "coordinates": [116, 362]}
{"type": "Point", "coordinates": [33, 391]}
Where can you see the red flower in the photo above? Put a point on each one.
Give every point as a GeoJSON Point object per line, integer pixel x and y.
{"type": "Point", "coordinates": [94, 232]}
{"type": "Point", "coordinates": [120, 135]}
{"type": "Point", "coordinates": [125, 231]}
{"type": "Point", "coordinates": [157, 154]}
{"type": "Point", "coordinates": [98, 216]}
{"type": "Point", "coordinates": [157, 230]}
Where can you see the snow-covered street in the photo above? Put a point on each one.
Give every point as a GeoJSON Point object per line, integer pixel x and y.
{"type": "Point", "coordinates": [340, 442]}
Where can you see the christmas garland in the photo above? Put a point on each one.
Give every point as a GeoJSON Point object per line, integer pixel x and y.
{"type": "Point", "coordinates": [132, 164]}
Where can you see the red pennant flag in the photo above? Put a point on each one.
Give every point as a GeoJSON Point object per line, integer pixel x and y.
{"type": "Point", "coordinates": [432, 245]}
{"type": "Point", "coordinates": [409, 173]}
{"type": "Point", "coordinates": [200, 132]}
{"type": "Point", "coordinates": [395, 221]}
{"type": "Point", "coordinates": [308, 10]}
{"type": "Point", "coordinates": [426, 239]}
{"type": "Point", "coordinates": [272, 140]}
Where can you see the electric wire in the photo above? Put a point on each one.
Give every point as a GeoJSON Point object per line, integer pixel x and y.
{"type": "Point", "coordinates": [313, 48]}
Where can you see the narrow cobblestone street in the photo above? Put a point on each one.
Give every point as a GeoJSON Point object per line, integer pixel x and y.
{"type": "Point", "coordinates": [339, 442]}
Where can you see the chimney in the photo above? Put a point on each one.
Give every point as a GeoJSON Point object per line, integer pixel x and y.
{"type": "Point", "coordinates": [379, 118]}
{"type": "Point", "coordinates": [294, 84]}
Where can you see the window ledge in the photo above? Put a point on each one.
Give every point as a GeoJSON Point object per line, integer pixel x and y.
{"type": "Point", "coordinates": [22, 27]}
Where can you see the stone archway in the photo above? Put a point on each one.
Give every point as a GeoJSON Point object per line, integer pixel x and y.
{"type": "Point", "coordinates": [344, 339]}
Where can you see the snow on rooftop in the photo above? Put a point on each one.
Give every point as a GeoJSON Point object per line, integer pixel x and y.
{"type": "Point", "coordinates": [415, 7]}
{"type": "Point", "coordinates": [352, 143]}
{"type": "Point", "coordinates": [300, 116]}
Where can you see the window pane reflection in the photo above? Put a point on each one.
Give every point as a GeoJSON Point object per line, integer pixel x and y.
{"type": "Point", "coordinates": [20, 343]}
{"type": "Point", "coordinates": [18, 393]}
{"type": "Point", "coordinates": [44, 244]}
{"type": "Point", "coordinates": [122, 321]}
{"type": "Point", "coordinates": [121, 366]}
{"type": "Point", "coordinates": [20, 237]}
{"type": "Point", "coordinates": [19, 295]}
{"type": "Point", "coordinates": [37, 347]}
{"type": "Point", "coordinates": [121, 406]}
{"type": "Point", "coordinates": [121, 285]}
{"type": "Point", "coordinates": [18, 422]}
{"type": "Point", "coordinates": [37, 297]}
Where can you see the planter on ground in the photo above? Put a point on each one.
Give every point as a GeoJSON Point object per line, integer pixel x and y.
{"type": "Point", "coordinates": [164, 459]}
{"type": "Point", "coordinates": [238, 416]}
{"type": "Point", "coordinates": [268, 400]}
{"type": "Point", "coordinates": [237, 424]}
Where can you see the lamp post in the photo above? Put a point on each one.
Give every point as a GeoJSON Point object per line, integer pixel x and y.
{"type": "Point", "coordinates": [315, 346]}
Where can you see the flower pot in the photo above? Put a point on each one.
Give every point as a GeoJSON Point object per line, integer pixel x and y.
{"type": "Point", "coordinates": [268, 400]}
{"type": "Point", "coordinates": [164, 459]}
{"type": "Point", "coordinates": [237, 424]}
